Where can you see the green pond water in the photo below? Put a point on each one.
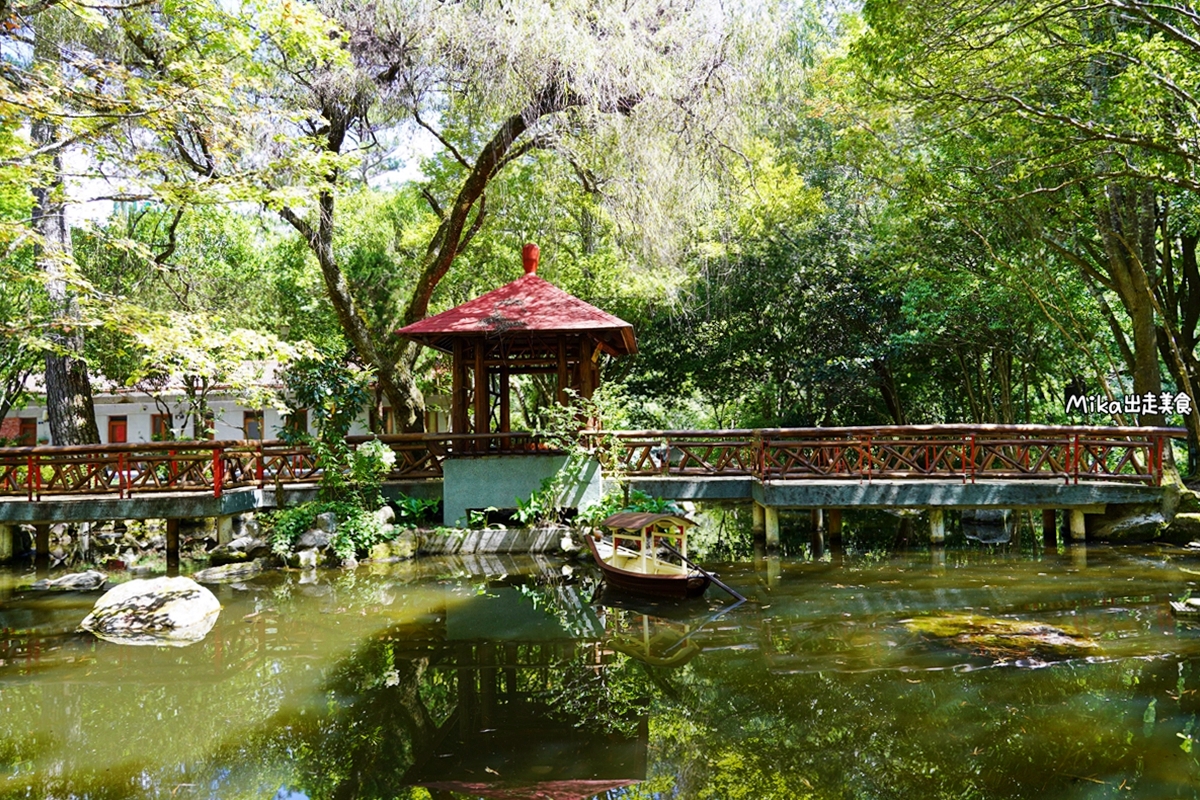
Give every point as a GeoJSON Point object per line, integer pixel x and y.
{"type": "Point", "coordinates": [498, 676]}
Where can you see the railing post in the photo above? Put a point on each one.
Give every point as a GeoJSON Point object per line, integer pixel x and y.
{"type": "Point", "coordinates": [974, 455]}
{"type": "Point", "coordinates": [29, 467]}
{"type": "Point", "coordinates": [121, 475]}
{"type": "Point", "coordinates": [1076, 459]}
{"type": "Point", "coordinates": [258, 466]}
{"type": "Point", "coordinates": [218, 471]}
{"type": "Point", "coordinates": [1159, 445]}
{"type": "Point", "coordinates": [666, 465]}
{"type": "Point", "coordinates": [760, 455]}
{"type": "Point", "coordinates": [866, 457]}
{"type": "Point", "coordinates": [37, 477]}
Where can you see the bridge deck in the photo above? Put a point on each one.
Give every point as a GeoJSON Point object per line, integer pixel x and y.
{"type": "Point", "coordinates": [1090, 496]}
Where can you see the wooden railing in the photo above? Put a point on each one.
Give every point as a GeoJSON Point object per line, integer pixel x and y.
{"type": "Point", "coordinates": [217, 466]}
{"type": "Point", "coordinates": [968, 453]}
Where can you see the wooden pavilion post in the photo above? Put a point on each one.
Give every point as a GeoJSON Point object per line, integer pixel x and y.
{"type": "Point", "coordinates": [505, 406]}
{"type": "Point", "coordinates": [482, 424]}
{"type": "Point", "coordinates": [458, 399]}
{"type": "Point", "coordinates": [562, 371]}
{"type": "Point", "coordinates": [586, 382]}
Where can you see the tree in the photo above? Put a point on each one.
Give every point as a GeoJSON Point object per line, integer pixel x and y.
{"type": "Point", "coordinates": [1085, 154]}
{"type": "Point", "coordinates": [484, 80]}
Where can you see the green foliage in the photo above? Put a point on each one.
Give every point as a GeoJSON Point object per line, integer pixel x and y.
{"type": "Point", "coordinates": [335, 391]}
{"type": "Point", "coordinates": [616, 502]}
{"type": "Point", "coordinates": [411, 512]}
{"type": "Point", "coordinates": [358, 529]}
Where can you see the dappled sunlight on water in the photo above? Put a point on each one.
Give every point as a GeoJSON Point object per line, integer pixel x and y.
{"type": "Point", "coordinates": [869, 674]}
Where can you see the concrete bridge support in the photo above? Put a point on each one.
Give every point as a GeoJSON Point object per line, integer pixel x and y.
{"type": "Point", "coordinates": [758, 522]}
{"type": "Point", "coordinates": [8, 536]}
{"type": "Point", "coordinates": [41, 548]}
{"type": "Point", "coordinates": [771, 521]}
{"type": "Point", "coordinates": [1078, 530]}
{"type": "Point", "coordinates": [1049, 527]}
{"type": "Point", "coordinates": [937, 526]}
{"type": "Point", "coordinates": [834, 525]}
{"type": "Point", "coordinates": [172, 547]}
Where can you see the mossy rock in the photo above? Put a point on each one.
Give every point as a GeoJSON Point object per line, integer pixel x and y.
{"type": "Point", "coordinates": [1184, 528]}
{"type": "Point", "coordinates": [1004, 638]}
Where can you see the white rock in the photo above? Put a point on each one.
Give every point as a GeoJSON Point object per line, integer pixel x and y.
{"type": "Point", "coordinates": [155, 611]}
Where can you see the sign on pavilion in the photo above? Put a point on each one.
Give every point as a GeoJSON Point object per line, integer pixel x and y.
{"type": "Point", "coordinates": [525, 327]}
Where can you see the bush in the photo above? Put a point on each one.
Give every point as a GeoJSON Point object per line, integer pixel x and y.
{"type": "Point", "coordinates": [357, 528]}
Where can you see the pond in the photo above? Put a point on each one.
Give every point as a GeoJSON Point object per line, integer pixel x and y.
{"type": "Point", "coordinates": [507, 677]}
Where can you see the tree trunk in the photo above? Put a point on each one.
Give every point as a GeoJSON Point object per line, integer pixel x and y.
{"type": "Point", "coordinates": [68, 391]}
{"type": "Point", "coordinates": [1123, 220]}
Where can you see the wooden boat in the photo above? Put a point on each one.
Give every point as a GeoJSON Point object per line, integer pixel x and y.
{"type": "Point", "coordinates": [631, 562]}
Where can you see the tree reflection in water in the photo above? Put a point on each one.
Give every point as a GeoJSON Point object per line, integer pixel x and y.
{"type": "Point", "coordinates": [453, 684]}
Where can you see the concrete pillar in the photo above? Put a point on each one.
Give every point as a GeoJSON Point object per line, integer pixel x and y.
{"type": "Point", "coordinates": [172, 547]}
{"type": "Point", "coordinates": [771, 520]}
{"type": "Point", "coordinates": [834, 523]}
{"type": "Point", "coordinates": [1078, 530]}
{"type": "Point", "coordinates": [818, 519]}
{"type": "Point", "coordinates": [7, 537]}
{"type": "Point", "coordinates": [818, 544]}
{"type": "Point", "coordinates": [41, 548]}
{"type": "Point", "coordinates": [937, 526]}
{"type": "Point", "coordinates": [758, 524]}
{"type": "Point", "coordinates": [774, 564]}
{"type": "Point", "coordinates": [224, 529]}
{"type": "Point", "coordinates": [1049, 527]}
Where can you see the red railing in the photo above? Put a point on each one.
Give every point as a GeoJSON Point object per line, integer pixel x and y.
{"type": "Point", "coordinates": [966, 452]}
{"type": "Point", "coordinates": [935, 451]}
{"type": "Point", "coordinates": [127, 469]}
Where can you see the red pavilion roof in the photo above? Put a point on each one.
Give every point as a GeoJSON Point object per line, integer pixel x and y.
{"type": "Point", "coordinates": [528, 304]}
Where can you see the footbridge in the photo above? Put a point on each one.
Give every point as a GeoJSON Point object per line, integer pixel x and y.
{"type": "Point", "coordinates": [1082, 469]}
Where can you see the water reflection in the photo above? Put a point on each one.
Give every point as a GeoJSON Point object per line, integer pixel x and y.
{"type": "Point", "coordinates": [504, 677]}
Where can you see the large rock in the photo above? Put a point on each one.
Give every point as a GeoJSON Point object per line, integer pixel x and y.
{"type": "Point", "coordinates": [1003, 638]}
{"type": "Point", "coordinates": [386, 515]}
{"type": "Point", "coordinates": [238, 551]}
{"type": "Point", "coordinates": [1184, 528]}
{"type": "Point", "coordinates": [326, 522]}
{"type": "Point", "coordinates": [1127, 522]}
{"type": "Point", "coordinates": [157, 611]}
{"type": "Point", "coordinates": [402, 548]}
{"type": "Point", "coordinates": [229, 573]}
{"type": "Point", "coordinates": [315, 538]}
{"type": "Point", "coordinates": [75, 582]}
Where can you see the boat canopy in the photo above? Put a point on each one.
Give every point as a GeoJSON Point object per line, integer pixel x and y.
{"type": "Point", "coordinates": [640, 520]}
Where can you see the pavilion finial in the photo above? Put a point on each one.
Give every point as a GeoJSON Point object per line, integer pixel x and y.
{"type": "Point", "coordinates": [529, 257]}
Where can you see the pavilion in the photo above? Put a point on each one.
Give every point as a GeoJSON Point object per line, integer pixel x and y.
{"type": "Point", "coordinates": [528, 326]}
{"type": "Point", "coordinates": [524, 327]}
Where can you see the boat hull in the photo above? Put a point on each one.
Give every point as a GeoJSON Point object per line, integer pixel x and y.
{"type": "Point", "coordinates": [679, 586]}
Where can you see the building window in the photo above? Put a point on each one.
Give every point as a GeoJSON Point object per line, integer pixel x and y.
{"type": "Point", "coordinates": [160, 427]}
{"type": "Point", "coordinates": [118, 430]}
{"type": "Point", "coordinates": [27, 433]}
{"type": "Point", "coordinates": [252, 424]}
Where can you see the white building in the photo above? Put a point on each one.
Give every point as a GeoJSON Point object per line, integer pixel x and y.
{"type": "Point", "coordinates": [126, 414]}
